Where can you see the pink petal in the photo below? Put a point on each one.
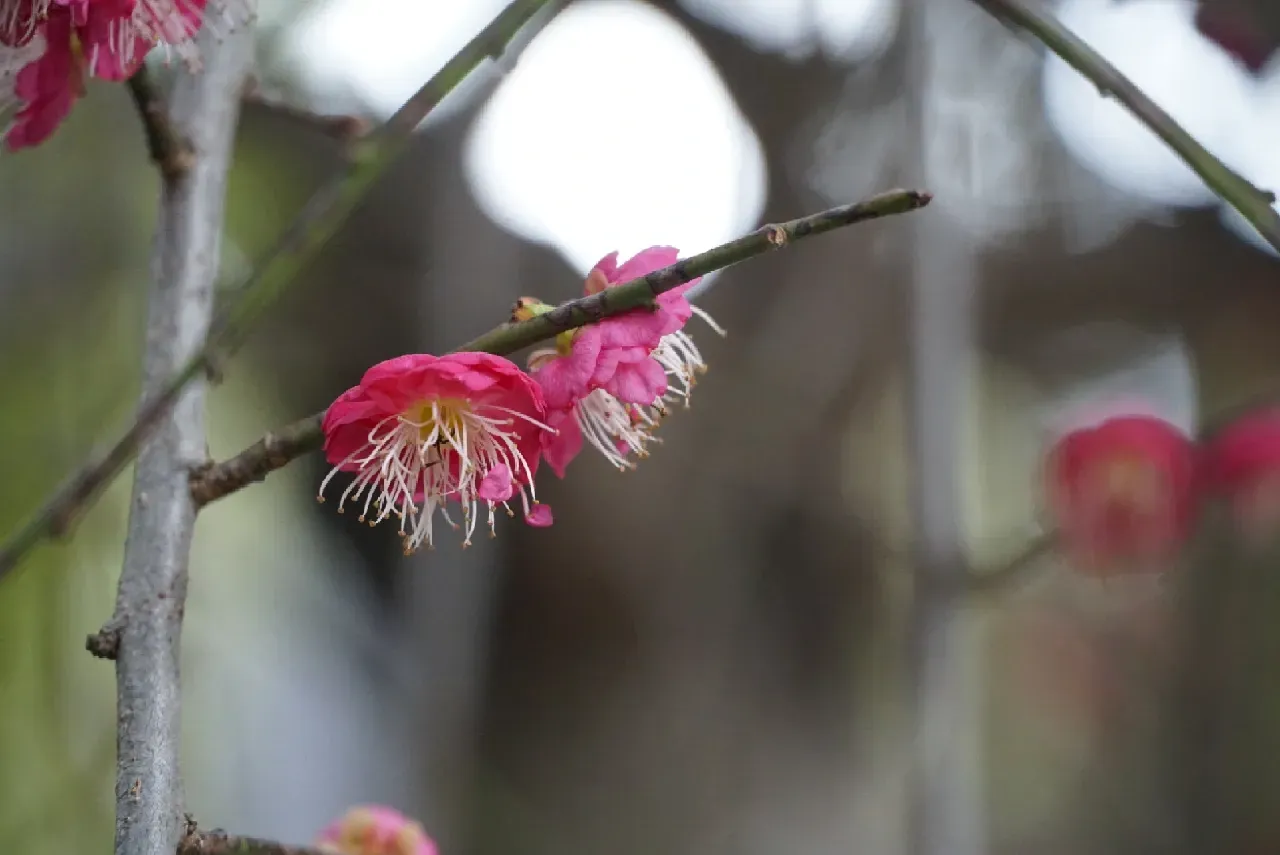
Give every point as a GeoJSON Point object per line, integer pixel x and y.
{"type": "Point", "coordinates": [496, 485]}
{"type": "Point", "coordinates": [540, 515]}
{"type": "Point", "coordinates": [561, 448]}
{"type": "Point", "coordinates": [47, 87]}
{"type": "Point", "coordinates": [645, 262]}
{"type": "Point", "coordinates": [641, 382]}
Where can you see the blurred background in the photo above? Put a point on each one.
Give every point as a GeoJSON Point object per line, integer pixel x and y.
{"type": "Point", "coordinates": [748, 645]}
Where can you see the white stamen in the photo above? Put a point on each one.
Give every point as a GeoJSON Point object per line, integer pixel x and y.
{"type": "Point", "coordinates": [22, 27]}
{"type": "Point", "coordinates": [442, 449]}
{"type": "Point", "coordinates": [681, 359]}
{"type": "Point", "coordinates": [607, 423]}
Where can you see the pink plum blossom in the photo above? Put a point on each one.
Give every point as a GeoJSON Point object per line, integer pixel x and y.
{"type": "Point", "coordinates": [1123, 493]}
{"type": "Point", "coordinates": [421, 432]}
{"type": "Point", "coordinates": [375, 830]}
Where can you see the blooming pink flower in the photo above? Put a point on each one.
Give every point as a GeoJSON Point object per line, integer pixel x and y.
{"type": "Point", "coordinates": [375, 830]}
{"type": "Point", "coordinates": [1123, 493]}
{"type": "Point", "coordinates": [1243, 465]}
{"type": "Point", "coordinates": [422, 431]}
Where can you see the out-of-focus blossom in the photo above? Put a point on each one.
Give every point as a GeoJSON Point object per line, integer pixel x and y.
{"type": "Point", "coordinates": [375, 830]}
{"type": "Point", "coordinates": [1242, 464]}
{"type": "Point", "coordinates": [423, 432]}
{"type": "Point", "coordinates": [1238, 28]}
{"type": "Point", "coordinates": [1123, 493]}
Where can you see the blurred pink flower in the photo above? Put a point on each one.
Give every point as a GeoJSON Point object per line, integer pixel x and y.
{"type": "Point", "coordinates": [375, 830]}
{"type": "Point", "coordinates": [1123, 493]}
{"type": "Point", "coordinates": [421, 431]}
{"type": "Point", "coordinates": [1243, 465]}
{"type": "Point", "coordinates": [1234, 26]}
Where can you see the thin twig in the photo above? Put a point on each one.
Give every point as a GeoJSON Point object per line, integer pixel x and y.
{"type": "Point", "coordinates": [343, 128]}
{"type": "Point", "coordinates": [302, 241]}
{"type": "Point", "coordinates": [278, 448]}
{"type": "Point", "coordinates": [147, 623]}
{"type": "Point", "coordinates": [1254, 204]}
{"type": "Point", "coordinates": [221, 843]}
{"type": "Point", "coordinates": [169, 150]}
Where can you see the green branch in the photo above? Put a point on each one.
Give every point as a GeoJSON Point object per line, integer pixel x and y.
{"type": "Point", "coordinates": [318, 221]}
{"type": "Point", "coordinates": [1254, 204]}
{"type": "Point", "coordinates": [278, 448]}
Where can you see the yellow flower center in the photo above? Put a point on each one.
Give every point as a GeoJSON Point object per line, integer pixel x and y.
{"type": "Point", "coordinates": [444, 417]}
{"type": "Point", "coordinates": [1132, 480]}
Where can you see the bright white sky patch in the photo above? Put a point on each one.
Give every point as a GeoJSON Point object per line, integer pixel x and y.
{"type": "Point", "coordinates": [615, 132]}
{"type": "Point", "coordinates": [381, 51]}
{"type": "Point", "coordinates": [1151, 374]}
{"type": "Point", "coordinates": [1154, 43]}
{"type": "Point", "coordinates": [1259, 155]}
{"type": "Point", "coordinates": [847, 29]}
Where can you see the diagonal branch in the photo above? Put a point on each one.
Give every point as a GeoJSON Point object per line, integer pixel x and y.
{"type": "Point", "coordinates": [319, 220]}
{"type": "Point", "coordinates": [1254, 204]}
{"type": "Point", "coordinates": [147, 623]}
{"type": "Point", "coordinates": [278, 448]}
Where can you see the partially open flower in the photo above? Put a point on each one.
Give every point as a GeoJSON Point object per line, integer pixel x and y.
{"type": "Point", "coordinates": [1243, 465]}
{"type": "Point", "coordinates": [610, 383]}
{"type": "Point", "coordinates": [375, 830]}
{"type": "Point", "coordinates": [675, 352]}
{"type": "Point", "coordinates": [421, 432]}
{"type": "Point", "coordinates": [614, 427]}
{"type": "Point", "coordinates": [1123, 493]}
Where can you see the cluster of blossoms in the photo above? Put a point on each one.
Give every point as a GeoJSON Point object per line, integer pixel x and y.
{"type": "Point", "coordinates": [375, 830]}
{"type": "Point", "coordinates": [1126, 493]}
{"type": "Point", "coordinates": [467, 431]}
{"type": "Point", "coordinates": [48, 48]}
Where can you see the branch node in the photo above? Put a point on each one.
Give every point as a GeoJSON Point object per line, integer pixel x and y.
{"type": "Point", "coordinates": [171, 152]}
{"type": "Point", "coordinates": [105, 643]}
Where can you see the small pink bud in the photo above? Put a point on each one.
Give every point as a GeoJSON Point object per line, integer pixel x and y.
{"type": "Point", "coordinates": [375, 830]}
{"type": "Point", "coordinates": [539, 516]}
{"type": "Point", "coordinates": [1243, 466]}
{"type": "Point", "coordinates": [1123, 493]}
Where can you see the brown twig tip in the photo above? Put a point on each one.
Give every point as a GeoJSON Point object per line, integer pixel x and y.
{"type": "Point", "coordinates": [169, 151]}
{"type": "Point", "coordinates": [220, 843]}
{"type": "Point", "coordinates": [344, 128]}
